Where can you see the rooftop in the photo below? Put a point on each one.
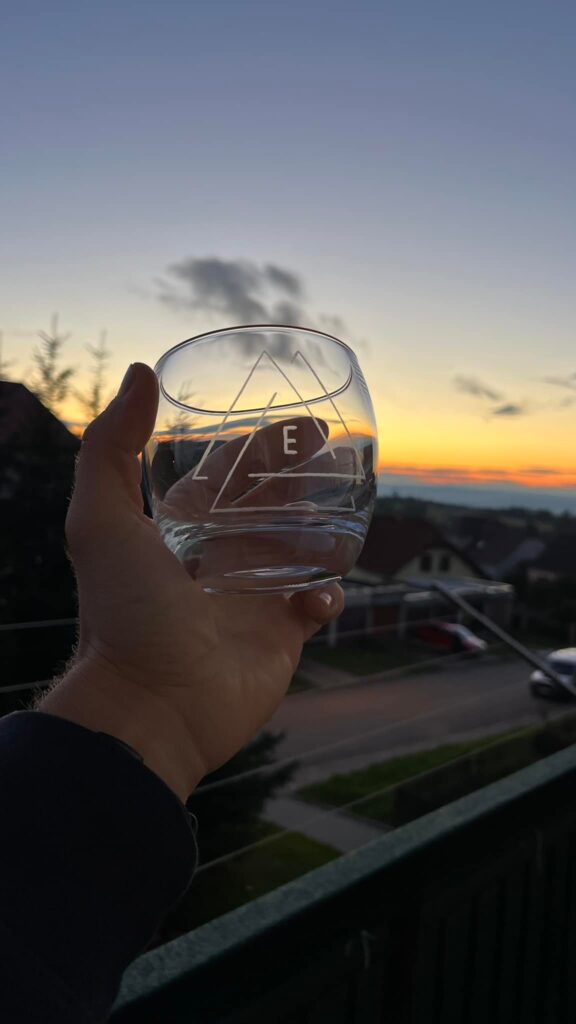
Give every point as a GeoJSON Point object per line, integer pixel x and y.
{"type": "Point", "coordinates": [23, 419]}
{"type": "Point", "coordinates": [392, 543]}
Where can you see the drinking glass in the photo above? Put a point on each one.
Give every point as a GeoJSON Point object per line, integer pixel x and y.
{"type": "Point", "coordinates": [261, 468]}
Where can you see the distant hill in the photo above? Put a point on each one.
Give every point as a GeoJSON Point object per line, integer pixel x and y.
{"type": "Point", "coordinates": [444, 513]}
{"type": "Point", "coordinates": [556, 501]}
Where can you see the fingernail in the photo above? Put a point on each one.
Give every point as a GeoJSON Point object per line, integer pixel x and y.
{"type": "Point", "coordinates": [326, 599]}
{"type": "Point", "coordinates": [126, 382]}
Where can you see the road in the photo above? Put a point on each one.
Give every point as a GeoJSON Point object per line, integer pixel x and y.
{"type": "Point", "coordinates": [346, 728]}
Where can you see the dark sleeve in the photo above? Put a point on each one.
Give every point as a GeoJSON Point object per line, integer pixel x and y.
{"type": "Point", "coordinates": [94, 849]}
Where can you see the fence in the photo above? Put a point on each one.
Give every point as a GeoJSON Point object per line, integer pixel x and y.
{"type": "Point", "coordinates": [70, 625]}
{"type": "Point", "coordinates": [466, 916]}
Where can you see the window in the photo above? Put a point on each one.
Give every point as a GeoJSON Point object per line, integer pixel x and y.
{"type": "Point", "coordinates": [445, 563]}
{"type": "Point", "coordinates": [425, 563]}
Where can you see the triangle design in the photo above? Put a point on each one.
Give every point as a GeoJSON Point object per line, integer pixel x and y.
{"type": "Point", "coordinates": [359, 475]}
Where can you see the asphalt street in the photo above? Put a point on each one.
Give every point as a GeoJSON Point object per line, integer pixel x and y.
{"type": "Point", "coordinates": [349, 727]}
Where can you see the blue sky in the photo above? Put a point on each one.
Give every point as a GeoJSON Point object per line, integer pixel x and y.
{"type": "Point", "coordinates": [413, 163]}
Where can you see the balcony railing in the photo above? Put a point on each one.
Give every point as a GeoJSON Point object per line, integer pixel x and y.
{"type": "Point", "coordinates": [465, 916]}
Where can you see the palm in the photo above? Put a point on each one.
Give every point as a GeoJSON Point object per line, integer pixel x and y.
{"type": "Point", "coordinates": [223, 661]}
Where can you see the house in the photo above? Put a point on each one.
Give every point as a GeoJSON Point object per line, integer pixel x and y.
{"type": "Point", "coordinates": [381, 609]}
{"type": "Point", "coordinates": [23, 417]}
{"type": "Point", "coordinates": [33, 443]}
{"type": "Point", "coordinates": [37, 456]}
{"type": "Point", "coordinates": [392, 586]}
{"type": "Point", "coordinates": [408, 549]}
{"type": "Point", "coordinates": [498, 548]}
{"type": "Point", "coordinates": [557, 562]}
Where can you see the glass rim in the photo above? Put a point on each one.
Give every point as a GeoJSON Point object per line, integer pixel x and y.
{"type": "Point", "coordinates": [253, 327]}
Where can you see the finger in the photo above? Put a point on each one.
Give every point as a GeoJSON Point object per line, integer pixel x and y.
{"type": "Point", "coordinates": [107, 484]}
{"type": "Point", "coordinates": [330, 473]}
{"type": "Point", "coordinates": [195, 493]}
{"type": "Point", "coordinates": [271, 449]}
{"type": "Point", "coordinates": [316, 608]}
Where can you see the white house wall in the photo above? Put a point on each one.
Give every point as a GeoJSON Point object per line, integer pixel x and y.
{"type": "Point", "coordinates": [458, 567]}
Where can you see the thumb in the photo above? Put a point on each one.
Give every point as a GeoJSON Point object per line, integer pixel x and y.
{"type": "Point", "coordinates": [108, 473]}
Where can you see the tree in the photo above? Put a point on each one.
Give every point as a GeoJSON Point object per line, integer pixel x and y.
{"type": "Point", "coordinates": [5, 364]}
{"type": "Point", "coordinates": [182, 422]}
{"type": "Point", "coordinates": [93, 399]}
{"type": "Point", "coordinates": [51, 383]}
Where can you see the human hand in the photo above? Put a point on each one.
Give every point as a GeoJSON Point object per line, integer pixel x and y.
{"type": "Point", "coordinates": [185, 677]}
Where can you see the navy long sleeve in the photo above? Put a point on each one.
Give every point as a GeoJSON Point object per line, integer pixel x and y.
{"type": "Point", "coordinates": [94, 850]}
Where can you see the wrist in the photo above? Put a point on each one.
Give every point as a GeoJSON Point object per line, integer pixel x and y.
{"type": "Point", "coordinates": [98, 697]}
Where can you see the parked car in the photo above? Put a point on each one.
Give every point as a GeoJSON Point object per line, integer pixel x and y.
{"type": "Point", "coordinates": [563, 662]}
{"type": "Point", "coordinates": [450, 637]}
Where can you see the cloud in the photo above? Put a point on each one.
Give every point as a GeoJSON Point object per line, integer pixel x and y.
{"type": "Point", "coordinates": [510, 409]}
{"type": "Point", "coordinates": [284, 279]}
{"type": "Point", "coordinates": [522, 476]}
{"type": "Point", "coordinates": [332, 324]}
{"type": "Point", "coordinates": [473, 386]}
{"type": "Point", "coordinates": [568, 382]}
{"type": "Point", "coordinates": [242, 291]}
{"type": "Point", "coordinates": [218, 286]}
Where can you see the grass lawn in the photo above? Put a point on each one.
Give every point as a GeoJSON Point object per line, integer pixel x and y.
{"type": "Point", "coordinates": [365, 660]}
{"type": "Point", "coordinates": [342, 789]}
{"type": "Point", "coordinates": [251, 874]}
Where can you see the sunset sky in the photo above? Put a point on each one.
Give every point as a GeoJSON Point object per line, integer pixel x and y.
{"type": "Point", "coordinates": [401, 174]}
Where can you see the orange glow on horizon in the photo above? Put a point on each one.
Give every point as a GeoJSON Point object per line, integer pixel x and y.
{"type": "Point", "coordinates": [447, 469]}
{"type": "Point", "coordinates": [530, 477]}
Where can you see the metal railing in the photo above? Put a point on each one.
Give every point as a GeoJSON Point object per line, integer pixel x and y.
{"type": "Point", "coordinates": [465, 915]}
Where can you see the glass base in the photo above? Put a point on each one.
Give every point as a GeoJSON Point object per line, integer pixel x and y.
{"type": "Point", "coordinates": [273, 580]}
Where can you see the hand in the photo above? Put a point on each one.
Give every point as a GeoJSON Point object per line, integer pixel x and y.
{"type": "Point", "coordinates": [185, 677]}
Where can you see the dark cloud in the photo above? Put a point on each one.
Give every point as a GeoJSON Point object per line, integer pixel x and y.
{"type": "Point", "coordinates": [473, 386]}
{"type": "Point", "coordinates": [241, 291]}
{"type": "Point", "coordinates": [568, 382]}
{"type": "Point", "coordinates": [477, 388]}
{"type": "Point", "coordinates": [462, 476]}
{"type": "Point", "coordinates": [509, 409]}
{"type": "Point", "coordinates": [219, 286]}
{"type": "Point", "coordinates": [286, 312]}
{"type": "Point", "coordinates": [285, 280]}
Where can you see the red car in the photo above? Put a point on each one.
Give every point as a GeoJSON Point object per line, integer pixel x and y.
{"type": "Point", "coordinates": [450, 637]}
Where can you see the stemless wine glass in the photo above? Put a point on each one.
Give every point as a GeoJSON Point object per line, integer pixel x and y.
{"type": "Point", "coordinates": [261, 468]}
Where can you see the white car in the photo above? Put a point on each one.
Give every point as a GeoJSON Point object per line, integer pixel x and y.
{"type": "Point", "coordinates": [564, 663]}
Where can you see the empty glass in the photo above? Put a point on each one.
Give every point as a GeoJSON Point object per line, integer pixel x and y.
{"type": "Point", "coordinates": [261, 468]}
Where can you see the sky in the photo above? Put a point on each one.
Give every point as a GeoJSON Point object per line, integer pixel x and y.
{"type": "Point", "coordinates": [401, 174]}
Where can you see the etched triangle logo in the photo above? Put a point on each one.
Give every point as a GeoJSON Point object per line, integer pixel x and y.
{"type": "Point", "coordinates": [286, 383]}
